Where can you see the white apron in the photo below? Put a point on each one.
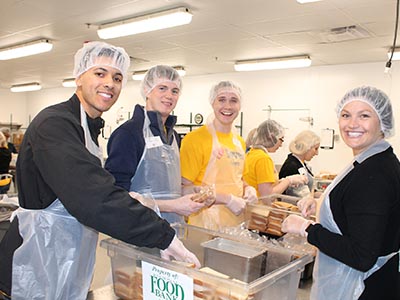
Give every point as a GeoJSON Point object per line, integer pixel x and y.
{"type": "Point", "coordinates": [158, 175]}
{"type": "Point", "coordinates": [57, 255]}
{"type": "Point", "coordinates": [304, 189]}
{"type": "Point", "coordinates": [334, 280]}
{"type": "Point", "coordinates": [225, 172]}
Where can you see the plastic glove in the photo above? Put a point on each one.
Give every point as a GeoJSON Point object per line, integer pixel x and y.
{"type": "Point", "coordinates": [250, 194]}
{"type": "Point", "coordinates": [296, 180]}
{"type": "Point", "coordinates": [236, 205]}
{"type": "Point", "coordinates": [296, 224]}
{"type": "Point", "coordinates": [176, 250]}
{"type": "Point", "coordinates": [307, 206]}
{"type": "Point", "coordinates": [146, 200]}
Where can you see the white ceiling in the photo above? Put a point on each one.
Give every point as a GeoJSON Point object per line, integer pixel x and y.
{"type": "Point", "coordinates": [221, 32]}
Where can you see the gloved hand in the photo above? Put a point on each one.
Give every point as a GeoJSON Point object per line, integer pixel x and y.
{"type": "Point", "coordinates": [296, 180]}
{"type": "Point", "coordinates": [250, 194]}
{"type": "Point", "coordinates": [307, 206]}
{"type": "Point", "coordinates": [236, 205]}
{"type": "Point", "coordinates": [176, 250]}
{"type": "Point", "coordinates": [296, 224]}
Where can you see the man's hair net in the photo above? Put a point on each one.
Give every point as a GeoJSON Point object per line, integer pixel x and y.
{"type": "Point", "coordinates": [303, 142]}
{"type": "Point", "coordinates": [90, 55]}
{"type": "Point", "coordinates": [157, 75]}
{"type": "Point", "coordinates": [378, 100]}
{"type": "Point", "coordinates": [268, 133]}
{"type": "Point", "coordinates": [225, 86]}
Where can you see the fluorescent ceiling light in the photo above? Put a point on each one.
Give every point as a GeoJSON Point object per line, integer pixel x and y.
{"type": "Point", "coordinates": [396, 54]}
{"type": "Point", "coordinates": [181, 70]}
{"type": "Point", "coordinates": [26, 87]}
{"type": "Point", "coordinates": [69, 82]}
{"type": "Point", "coordinates": [161, 20]}
{"type": "Point", "coordinates": [307, 1]}
{"type": "Point", "coordinates": [27, 49]}
{"type": "Point", "coordinates": [139, 75]}
{"type": "Point", "coordinates": [273, 63]}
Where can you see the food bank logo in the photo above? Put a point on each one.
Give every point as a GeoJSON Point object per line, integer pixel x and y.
{"type": "Point", "coordinates": [163, 284]}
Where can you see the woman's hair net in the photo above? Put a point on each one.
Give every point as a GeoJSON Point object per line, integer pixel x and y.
{"type": "Point", "coordinates": [90, 55]}
{"type": "Point", "coordinates": [225, 86]}
{"type": "Point", "coordinates": [378, 100]}
{"type": "Point", "coordinates": [157, 75]}
{"type": "Point", "coordinates": [250, 137]}
{"type": "Point", "coordinates": [303, 142]}
{"type": "Point", "coordinates": [268, 133]}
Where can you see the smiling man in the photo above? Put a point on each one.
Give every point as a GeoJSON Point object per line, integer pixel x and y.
{"type": "Point", "coordinates": [143, 153]}
{"type": "Point", "coordinates": [213, 155]}
{"type": "Point", "coordinates": [66, 196]}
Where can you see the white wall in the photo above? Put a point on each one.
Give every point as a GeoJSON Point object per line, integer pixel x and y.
{"type": "Point", "coordinates": [315, 89]}
{"type": "Point", "coordinates": [13, 107]}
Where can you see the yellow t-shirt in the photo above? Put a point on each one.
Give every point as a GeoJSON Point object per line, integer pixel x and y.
{"type": "Point", "coordinates": [196, 150]}
{"type": "Point", "coordinates": [258, 168]}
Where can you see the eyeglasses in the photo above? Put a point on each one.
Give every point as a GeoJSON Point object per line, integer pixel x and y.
{"type": "Point", "coordinates": [281, 139]}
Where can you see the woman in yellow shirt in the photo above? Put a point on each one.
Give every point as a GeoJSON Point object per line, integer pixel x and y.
{"type": "Point", "coordinates": [259, 167]}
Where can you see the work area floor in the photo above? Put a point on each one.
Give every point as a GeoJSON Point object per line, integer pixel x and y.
{"type": "Point", "coordinates": [102, 274]}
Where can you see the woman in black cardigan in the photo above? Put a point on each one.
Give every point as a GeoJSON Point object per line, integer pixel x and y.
{"type": "Point", "coordinates": [358, 234]}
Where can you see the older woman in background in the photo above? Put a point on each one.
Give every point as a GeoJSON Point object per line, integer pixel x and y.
{"type": "Point", "coordinates": [303, 148]}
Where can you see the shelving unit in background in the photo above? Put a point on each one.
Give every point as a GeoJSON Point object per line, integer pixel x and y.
{"type": "Point", "coordinates": [190, 126]}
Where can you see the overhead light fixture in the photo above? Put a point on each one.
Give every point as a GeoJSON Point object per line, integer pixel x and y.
{"type": "Point", "coordinates": [69, 82]}
{"type": "Point", "coordinates": [396, 54]}
{"type": "Point", "coordinates": [181, 70]}
{"type": "Point", "coordinates": [26, 87]}
{"type": "Point", "coordinates": [27, 49]}
{"type": "Point", "coordinates": [139, 75]}
{"type": "Point", "coordinates": [273, 63]}
{"type": "Point", "coordinates": [307, 1]}
{"type": "Point", "coordinates": [161, 20]}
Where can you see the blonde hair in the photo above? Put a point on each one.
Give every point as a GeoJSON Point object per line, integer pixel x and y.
{"type": "Point", "coordinates": [3, 140]}
{"type": "Point", "coordinates": [303, 142]}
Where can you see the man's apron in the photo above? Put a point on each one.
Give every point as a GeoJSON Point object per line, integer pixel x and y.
{"type": "Point", "coordinates": [57, 255]}
{"type": "Point", "coordinates": [224, 171]}
{"type": "Point", "coordinates": [158, 175]}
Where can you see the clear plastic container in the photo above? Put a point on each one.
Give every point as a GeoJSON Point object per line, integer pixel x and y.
{"type": "Point", "coordinates": [278, 277]}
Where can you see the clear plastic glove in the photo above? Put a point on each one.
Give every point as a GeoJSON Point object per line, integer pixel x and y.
{"type": "Point", "coordinates": [250, 194]}
{"type": "Point", "coordinates": [296, 224]}
{"type": "Point", "coordinates": [185, 205]}
{"type": "Point", "coordinates": [205, 194]}
{"type": "Point", "coordinates": [296, 180]}
{"type": "Point", "coordinates": [176, 250]}
{"type": "Point", "coordinates": [307, 206]}
{"type": "Point", "coordinates": [236, 205]}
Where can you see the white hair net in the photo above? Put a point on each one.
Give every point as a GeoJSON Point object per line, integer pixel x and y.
{"type": "Point", "coordinates": [225, 86]}
{"type": "Point", "coordinates": [157, 75]}
{"type": "Point", "coordinates": [303, 142]}
{"type": "Point", "coordinates": [378, 100]}
{"type": "Point", "coordinates": [268, 133]}
{"type": "Point", "coordinates": [90, 55]}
